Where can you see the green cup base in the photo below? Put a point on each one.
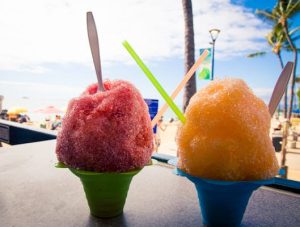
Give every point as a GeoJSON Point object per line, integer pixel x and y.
{"type": "Point", "coordinates": [106, 193]}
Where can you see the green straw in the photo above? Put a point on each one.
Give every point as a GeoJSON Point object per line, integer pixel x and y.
{"type": "Point", "coordinates": [154, 81]}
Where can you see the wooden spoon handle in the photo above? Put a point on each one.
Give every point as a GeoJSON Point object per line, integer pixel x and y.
{"type": "Point", "coordinates": [280, 87]}
{"type": "Point", "coordinates": [94, 44]}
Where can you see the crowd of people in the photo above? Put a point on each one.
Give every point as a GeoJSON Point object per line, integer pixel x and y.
{"type": "Point", "coordinates": [24, 118]}
{"type": "Point", "coordinates": [20, 118]}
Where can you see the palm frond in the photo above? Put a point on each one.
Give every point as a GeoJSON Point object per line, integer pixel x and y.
{"type": "Point", "coordinates": [294, 30]}
{"type": "Point", "coordinates": [293, 8]}
{"type": "Point", "coordinates": [278, 33]}
{"type": "Point", "coordinates": [289, 4]}
{"type": "Point", "coordinates": [266, 14]}
{"type": "Point", "coordinates": [280, 6]}
{"type": "Point", "coordinates": [276, 38]}
{"type": "Point", "coordinates": [278, 28]}
{"type": "Point", "coordinates": [277, 11]}
{"type": "Point", "coordinates": [294, 37]}
{"type": "Point", "coordinates": [270, 41]}
{"type": "Point", "coordinates": [288, 48]}
{"type": "Point", "coordinates": [257, 54]}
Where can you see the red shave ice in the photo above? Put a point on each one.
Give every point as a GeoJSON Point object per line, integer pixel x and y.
{"type": "Point", "coordinates": [106, 131]}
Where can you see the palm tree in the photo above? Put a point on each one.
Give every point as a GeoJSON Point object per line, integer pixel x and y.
{"type": "Point", "coordinates": [189, 50]}
{"type": "Point", "coordinates": [280, 15]}
{"type": "Point", "coordinates": [286, 46]}
{"type": "Point", "coordinates": [278, 42]}
{"type": "Point", "coordinates": [275, 39]}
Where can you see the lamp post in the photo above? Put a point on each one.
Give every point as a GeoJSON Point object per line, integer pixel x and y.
{"type": "Point", "coordinates": [214, 35]}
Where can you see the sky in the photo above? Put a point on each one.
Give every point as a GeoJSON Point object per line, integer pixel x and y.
{"type": "Point", "coordinates": [45, 56]}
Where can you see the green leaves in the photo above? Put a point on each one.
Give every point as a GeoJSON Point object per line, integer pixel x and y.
{"type": "Point", "coordinates": [283, 10]}
{"type": "Point", "coordinates": [257, 54]}
{"type": "Point", "coordinates": [277, 38]}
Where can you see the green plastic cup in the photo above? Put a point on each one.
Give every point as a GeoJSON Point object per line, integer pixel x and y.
{"type": "Point", "coordinates": [106, 193]}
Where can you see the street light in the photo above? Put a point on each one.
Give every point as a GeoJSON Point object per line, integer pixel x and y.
{"type": "Point", "coordinates": [214, 35]}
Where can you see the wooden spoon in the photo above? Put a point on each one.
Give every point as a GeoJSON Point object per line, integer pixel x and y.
{"type": "Point", "coordinates": [94, 44]}
{"type": "Point", "coordinates": [280, 87]}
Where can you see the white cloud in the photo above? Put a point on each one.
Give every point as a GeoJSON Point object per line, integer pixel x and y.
{"type": "Point", "coordinates": [240, 29]}
{"type": "Point", "coordinates": [35, 32]}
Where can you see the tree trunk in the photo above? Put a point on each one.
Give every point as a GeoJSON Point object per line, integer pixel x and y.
{"type": "Point", "coordinates": [293, 85]}
{"type": "Point", "coordinates": [285, 132]}
{"type": "Point", "coordinates": [285, 127]}
{"type": "Point", "coordinates": [289, 114]}
{"type": "Point", "coordinates": [280, 59]}
{"type": "Point", "coordinates": [189, 51]}
{"type": "Point", "coordinates": [285, 27]}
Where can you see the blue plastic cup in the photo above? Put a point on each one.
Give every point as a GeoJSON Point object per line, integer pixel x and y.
{"type": "Point", "coordinates": [223, 203]}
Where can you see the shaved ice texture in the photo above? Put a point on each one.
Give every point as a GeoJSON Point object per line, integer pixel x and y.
{"type": "Point", "coordinates": [106, 131]}
{"type": "Point", "coordinates": [226, 134]}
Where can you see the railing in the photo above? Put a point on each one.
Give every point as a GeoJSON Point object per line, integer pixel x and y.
{"type": "Point", "coordinates": [15, 133]}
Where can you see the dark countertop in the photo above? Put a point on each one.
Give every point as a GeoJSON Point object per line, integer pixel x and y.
{"type": "Point", "coordinates": [35, 193]}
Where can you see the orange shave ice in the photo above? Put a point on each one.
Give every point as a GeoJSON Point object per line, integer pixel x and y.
{"type": "Point", "coordinates": [226, 134]}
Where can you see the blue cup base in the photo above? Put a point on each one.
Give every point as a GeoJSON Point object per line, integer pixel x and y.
{"type": "Point", "coordinates": [223, 203]}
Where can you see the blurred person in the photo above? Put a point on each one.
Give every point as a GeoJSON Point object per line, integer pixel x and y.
{"type": "Point", "coordinates": [161, 127]}
{"type": "Point", "coordinates": [23, 118]}
{"type": "Point", "coordinates": [4, 115]}
{"type": "Point", "coordinates": [57, 123]}
{"type": "Point", "coordinates": [48, 123]}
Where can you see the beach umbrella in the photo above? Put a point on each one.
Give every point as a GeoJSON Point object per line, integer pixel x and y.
{"type": "Point", "coordinates": [16, 110]}
{"type": "Point", "coordinates": [49, 110]}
